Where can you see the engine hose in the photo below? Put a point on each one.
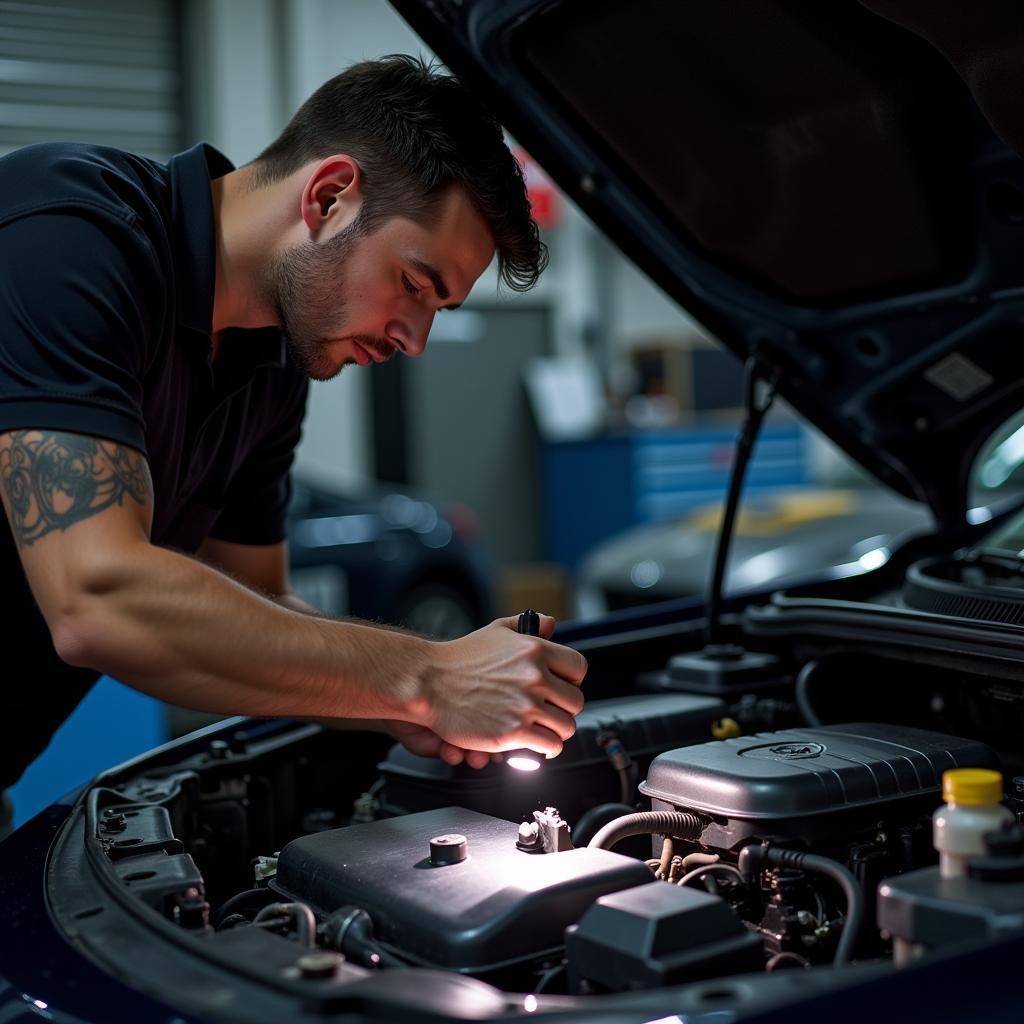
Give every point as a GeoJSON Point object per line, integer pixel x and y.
{"type": "Point", "coordinates": [753, 858]}
{"type": "Point", "coordinates": [232, 921]}
{"type": "Point", "coordinates": [627, 784]}
{"type": "Point", "coordinates": [251, 899]}
{"type": "Point", "coordinates": [801, 693]}
{"type": "Point", "coordinates": [349, 930]}
{"type": "Point", "coordinates": [676, 823]}
{"type": "Point", "coordinates": [590, 821]}
{"type": "Point", "coordinates": [298, 913]}
{"type": "Point", "coordinates": [712, 869]}
{"type": "Point", "coordinates": [665, 861]}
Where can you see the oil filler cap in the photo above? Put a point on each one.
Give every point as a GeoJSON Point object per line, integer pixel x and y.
{"type": "Point", "coordinates": [449, 849]}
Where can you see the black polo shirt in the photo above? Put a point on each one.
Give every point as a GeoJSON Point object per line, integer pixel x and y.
{"type": "Point", "coordinates": [106, 308]}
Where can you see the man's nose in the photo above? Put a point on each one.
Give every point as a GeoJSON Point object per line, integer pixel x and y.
{"type": "Point", "coordinates": [411, 333]}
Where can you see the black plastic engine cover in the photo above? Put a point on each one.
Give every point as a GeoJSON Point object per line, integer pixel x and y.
{"type": "Point", "coordinates": [808, 783]}
{"type": "Point", "coordinates": [655, 936]}
{"type": "Point", "coordinates": [498, 908]}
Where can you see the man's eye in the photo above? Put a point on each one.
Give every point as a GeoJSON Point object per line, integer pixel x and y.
{"type": "Point", "coordinates": [409, 286]}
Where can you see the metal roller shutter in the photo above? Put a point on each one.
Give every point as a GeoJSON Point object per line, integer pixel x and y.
{"type": "Point", "coordinates": [101, 71]}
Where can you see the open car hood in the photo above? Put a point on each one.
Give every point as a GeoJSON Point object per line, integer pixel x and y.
{"type": "Point", "coordinates": [835, 190]}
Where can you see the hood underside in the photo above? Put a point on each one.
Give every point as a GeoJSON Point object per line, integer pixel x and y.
{"type": "Point", "coordinates": [832, 189]}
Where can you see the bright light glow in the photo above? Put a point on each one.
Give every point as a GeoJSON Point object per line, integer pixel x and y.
{"type": "Point", "coordinates": [979, 515]}
{"type": "Point", "coordinates": [523, 764]}
{"type": "Point", "coordinates": [674, 1019]}
{"type": "Point", "coordinates": [874, 559]}
{"type": "Point", "coordinates": [39, 1003]}
{"type": "Point", "coordinates": [530, 1004]}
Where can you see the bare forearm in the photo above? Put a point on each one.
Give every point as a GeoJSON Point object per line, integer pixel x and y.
{"type": "Point", "coordinates": [182, 631]}
{"type": "Point", "coordinates": [295, 603]}
{"type": "Point", "coordinates": [81, 511]}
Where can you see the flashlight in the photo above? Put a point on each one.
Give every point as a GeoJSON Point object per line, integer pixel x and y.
{"type": "Point", "coordinates": [526, 760]}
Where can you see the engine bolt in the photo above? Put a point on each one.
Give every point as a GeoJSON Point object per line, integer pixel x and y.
{"type": "Point", "coordinates": [449, 849]}
{"type": "Point", "coordinates": [219, 749]}
{"type": "Point", "coordinates": [317, 965]}
{"type": "Point", "coordinates": [529, 836]}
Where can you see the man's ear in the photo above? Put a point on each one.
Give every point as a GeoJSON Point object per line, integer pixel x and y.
{"type": "Point", "coordinates": [332, 196]}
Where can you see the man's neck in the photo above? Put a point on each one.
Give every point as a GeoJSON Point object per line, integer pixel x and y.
{"type": "Point", "coordinates": [244, 229]}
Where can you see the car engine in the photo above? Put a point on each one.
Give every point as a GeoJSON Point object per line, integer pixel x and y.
{"type": "Point", "coordinates": [490, 904]}
{"type": "Point", "coordinates": [647, 856]}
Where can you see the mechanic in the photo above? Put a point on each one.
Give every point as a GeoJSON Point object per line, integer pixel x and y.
{"type": "Point", "coordinates": [158, 328]}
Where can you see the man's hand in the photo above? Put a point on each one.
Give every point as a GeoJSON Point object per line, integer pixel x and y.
{"type": "Point", "coordinates": [497, 690]}
{"type": "Point", "coordinates": [426, 743]}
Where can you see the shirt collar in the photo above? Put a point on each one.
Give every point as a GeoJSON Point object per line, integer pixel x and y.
{"type": "Point", "coordinates": [192, 218]}
{"type": "Point", "coordinates": [190, 175]}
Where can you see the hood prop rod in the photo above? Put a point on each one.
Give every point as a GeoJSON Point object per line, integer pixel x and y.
{"type": "Point", "coordinates": [758, 395]}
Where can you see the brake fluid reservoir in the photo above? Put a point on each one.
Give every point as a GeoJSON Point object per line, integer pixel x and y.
{"type": "Point", "coordinates": [972, 808]}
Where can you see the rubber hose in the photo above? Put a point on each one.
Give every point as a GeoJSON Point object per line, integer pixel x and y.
{"type": "Point", "coordinates": [590, 821]}
{"type": "Point", "coordinates": [665, 861]}
{"type": "Point", "coordinates": [627, 784]}
{"type": "Point", "coordinates": [676, 823]}
{"type": "Point", "coordinates": [349, 930]}
{"type": "Point", "coordinates": [712, 869]}
{"type": "Point", "coordinates": [233, 921]}
{"type": "Point", "coordinates": [779, 857]}
{"type": "Point", "coordinates": [300, 915]}
{"type": "Point", "coordinates": [801, 693]}
{"type": "Point", "coordinates": [251, 899]}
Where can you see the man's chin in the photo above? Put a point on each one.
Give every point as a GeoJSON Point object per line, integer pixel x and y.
{"type": "Point", "coordinates": [322, 373]}
{"type": "Point", "coordinates": [314, 365]}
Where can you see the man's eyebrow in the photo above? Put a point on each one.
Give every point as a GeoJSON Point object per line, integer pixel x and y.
{"type": "Point", "coordinates": [435, 279]}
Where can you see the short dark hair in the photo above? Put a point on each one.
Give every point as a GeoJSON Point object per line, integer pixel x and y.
{"type": "Point", "coordinates": [415, 132]}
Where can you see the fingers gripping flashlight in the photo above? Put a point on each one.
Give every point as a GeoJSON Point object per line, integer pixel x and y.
{"type": "Point", "coordinates": [526, 760]}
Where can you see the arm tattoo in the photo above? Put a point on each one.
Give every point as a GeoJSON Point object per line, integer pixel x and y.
{"type": "Point", "coordinates": [54, 480]}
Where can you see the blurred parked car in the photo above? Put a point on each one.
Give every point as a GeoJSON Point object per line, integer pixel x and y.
{"type": "Point", "coordinates": [391, 557]}
{"type": "Point", "coordinates": [778, 539]}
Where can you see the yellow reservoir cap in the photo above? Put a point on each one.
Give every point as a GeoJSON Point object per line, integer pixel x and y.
{"type": "Point", "coordinates": [725, 729]}
{"type": "Point", "coordinates": [972, 786]}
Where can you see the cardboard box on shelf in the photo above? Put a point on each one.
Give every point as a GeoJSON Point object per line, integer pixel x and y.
{"type": "Point", "coordinates": [699, 377]}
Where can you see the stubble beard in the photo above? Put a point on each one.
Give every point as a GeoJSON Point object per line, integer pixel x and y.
{"type": "Point", "coordinates": [304, 286]}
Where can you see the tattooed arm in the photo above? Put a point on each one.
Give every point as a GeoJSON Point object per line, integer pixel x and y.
{"type": "Point", "coordinates": [52, 480]}
{"type": "Point", "coordinates": [80, 510]}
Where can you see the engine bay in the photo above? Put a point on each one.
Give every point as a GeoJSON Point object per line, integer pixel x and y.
{"type": "Point", "coordinates": [682, 838]}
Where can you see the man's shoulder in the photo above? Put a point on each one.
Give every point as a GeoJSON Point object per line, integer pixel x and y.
{"type": "Point", "coordinates": [69, 175]}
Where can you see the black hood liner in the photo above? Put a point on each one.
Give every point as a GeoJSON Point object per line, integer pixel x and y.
{"type": "Point", "coordinates": [822, 184]}
{"type": "Point", "coordinates": [831, 178]}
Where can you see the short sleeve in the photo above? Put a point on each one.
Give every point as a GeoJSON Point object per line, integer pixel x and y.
{"type": "Point", "coordinates": [257, 498]}
{"type": "Point", "coordinates": [76, 323]}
